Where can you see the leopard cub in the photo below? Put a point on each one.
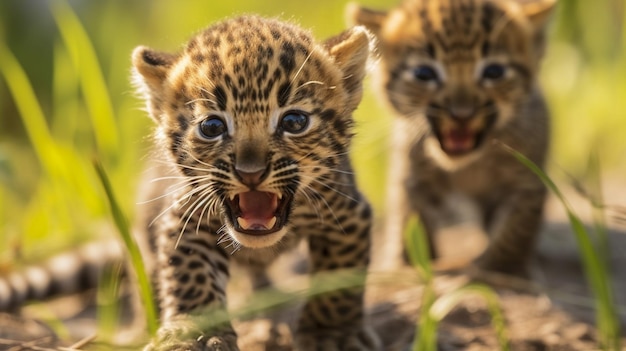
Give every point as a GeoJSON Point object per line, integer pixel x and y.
{"type": "Point", "coordinates": [461, 78]}
{"type": "Point", "coordinates": [253, 129]}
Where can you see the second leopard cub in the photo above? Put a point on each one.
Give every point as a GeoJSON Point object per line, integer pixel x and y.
{"type": "Point", "coordinates": [461, 75]}
{"type": "Point", "coordinates": [254, 122]}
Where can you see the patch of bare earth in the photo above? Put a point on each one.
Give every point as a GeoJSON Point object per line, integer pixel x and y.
{"type": "Point", "coordinates": [554, 312]}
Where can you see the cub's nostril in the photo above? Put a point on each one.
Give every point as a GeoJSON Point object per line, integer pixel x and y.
{"type": "Point", "coordinates": [252, 178]}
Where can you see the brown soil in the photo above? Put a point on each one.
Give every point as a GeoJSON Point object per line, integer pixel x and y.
{"type": "Point", "coordinates": [555, 312]}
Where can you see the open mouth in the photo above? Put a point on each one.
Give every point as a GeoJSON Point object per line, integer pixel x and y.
{"type": "Point", "coordinates": [258, 212]}
{"type": "Point", "coordinates": [460, 140]}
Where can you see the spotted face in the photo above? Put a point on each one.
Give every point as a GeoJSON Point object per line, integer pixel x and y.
{"type": "Point", "coordinates": [463, 65]}
{"type": "Point", "coordinates": [254, 114]}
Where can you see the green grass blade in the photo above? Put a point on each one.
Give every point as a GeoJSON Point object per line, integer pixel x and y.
{"type": "Point", "coordinates": [108, 306]}
{"type": "Point", "coordinates": [594, 267]}
{"type": "Point", "coordinates": [426, 329]}
{"type": "Point", "coordinates": [612, 336]}
{"type": "Point", "coordinates": [419, 255]}
{"type": "Point", "coordinates": [145, 288]}
{"type": "Point", "coordinates": [446, 303]}
{"type": "Point", "coordinates": [61, 164]}
{"type": "Point", "coordinates": [91, 78]}
{"type": "Point", "coordinates": [597, 206]}
{"type": "Point", "coordinates": [30, 111]}
{"type": "Point", "coordinates": [66, 103]}
{"type": "Point", "coordinates": [417, 248]}
{"type": "Point", "coordinates": [268, 299]}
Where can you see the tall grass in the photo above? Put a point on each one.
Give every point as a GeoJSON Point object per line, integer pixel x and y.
{"type": "Point", "coordinates": [419, 255]}
{"type": "Point", "coordinates": [595, 267]}
{"type": "Point", "coordinates": [92, 82]}
{"type": "Point", "coordinates": [81, 107]}
{"type": "Point", "coordinates": [593, 247]}
{"type": "Point", "coordinates": [93, 109]}
{"type": "Point", "coordinates": [434, 308]}
{"type": "Point", "coordinates": [143, 280]}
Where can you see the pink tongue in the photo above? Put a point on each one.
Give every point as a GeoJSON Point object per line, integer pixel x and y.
{"type": "Point", "coordinates": [257, 205]}
{"type": "Point", "coordinates": [459, 140]}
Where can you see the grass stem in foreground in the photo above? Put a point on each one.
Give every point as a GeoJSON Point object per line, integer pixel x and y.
{"type": "Point", "coordinates": [595, 269]}
{"type": "Point", "coordinates": [145, 289]}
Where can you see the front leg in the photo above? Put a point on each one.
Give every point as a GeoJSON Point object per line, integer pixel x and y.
{"type": "Point", "coordinates": [429, 197]}
{"type": "Point", "coordinates": [389, 254]}
{"type": "Point", "coordinates": [513, 232]}
{"type": "Point", "coordinates": [191, 277]}
{"type": "Point", "coordinates": [335, 321]}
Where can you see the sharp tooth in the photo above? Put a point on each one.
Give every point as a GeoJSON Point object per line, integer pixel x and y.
{"type": "Point", "coordinates": [271, 223]}
{"type": "Point", "coordinates": [232, 197]}
{"type": "Point", "coordinates": [243, 223]}
{"type": "Point", "coordinates": [280, 196]}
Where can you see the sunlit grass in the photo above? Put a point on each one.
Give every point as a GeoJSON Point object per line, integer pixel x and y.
{"type": "Point", "coordinates": [444, 304]}
{"type": "Point", "coordinates": [92, 83]}
{"type": "Point", "coordinates": [143, 280]}
{"type": "Point", "coordinates": [433, 307]}
{"type": "Point", "coordinates": [51, 188]}
{"type": "Point", "coordinates": [419, 255]}
{"type": "Point", "coordinates": [108, 306]}
{"type": "Point", "coordinates": [31, 112]}
{"type": "Point", "coordinates": [94, 113]}
{"type": "Point", "coordinates": [595, 267]}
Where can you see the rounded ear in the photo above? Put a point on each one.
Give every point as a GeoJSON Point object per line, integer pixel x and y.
{"type": "Point", "coordinates": [350, 50]}
{"type": "Point", "coordinates": [538, 12]}
{"type": "Point", "coordinates": [152, 66]}
{"type": "Point", "coordinates": [149, 73]}
{"type": "Point", "coordinates": [371, 19]}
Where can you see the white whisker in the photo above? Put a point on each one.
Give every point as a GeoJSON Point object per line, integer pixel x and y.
{"type": "Point", "coordinates": [330, 209]}
{"type": "Point", "coordinates": [313, 205]}
{"type": "Point", "coordinates": [187, 197]}
{"type": "Point", "coordinates": [308, 83]}
{"type": "Point", "coordinates": [301, 67]}
{"type": "Point", "coordinates": [200, 99]}
{"type": "Point", "coordinates": [179, 186]}
{"type": "Point", "coordinates": [329, 187]}
{"type": "Point", "coordinates": [206, 190]}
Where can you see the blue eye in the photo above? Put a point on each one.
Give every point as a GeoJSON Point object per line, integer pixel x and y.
{"type": "Point", "coordinates": [494, 71]}
{"type": "Point", "coordinates": [425, 73]}
{"type": "Point", "coordinates": [212, 127]}
{"type": "Point", "coordinates": [294, 122]}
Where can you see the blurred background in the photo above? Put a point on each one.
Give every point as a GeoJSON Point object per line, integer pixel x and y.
{"type": "Point", "coordinates": [65, 101]}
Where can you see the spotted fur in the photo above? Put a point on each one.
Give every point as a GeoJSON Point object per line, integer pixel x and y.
{"type": "Point", "coordinates": [254, 121]}
{"type": "Point", "coordinates": [461, 78]}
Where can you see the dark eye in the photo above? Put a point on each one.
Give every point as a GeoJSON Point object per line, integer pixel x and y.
{"type": "Point", "coordinates": [212, 127]}
{"type": "Point", "coordinates": [425, 73]}
{"type": "Point", "coordinates": [294, 122]}
{"type": "Point", "coordinates": [494, 71]}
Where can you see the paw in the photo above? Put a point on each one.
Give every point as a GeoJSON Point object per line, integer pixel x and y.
{"type": "Point", "coordinates": [219, 343]}
{"type": "Point", "coordinates": [172, 341]}
{"type": "Point", "coordinates": [338, 340]}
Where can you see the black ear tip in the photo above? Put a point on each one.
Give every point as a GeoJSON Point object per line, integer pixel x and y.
{"type": "Point", "coordinates": [150, 57]}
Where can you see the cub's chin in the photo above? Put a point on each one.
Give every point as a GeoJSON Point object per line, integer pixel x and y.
{"type": "Point", "coordinates": [256, 241]}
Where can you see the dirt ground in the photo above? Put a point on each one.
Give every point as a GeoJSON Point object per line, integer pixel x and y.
{"type": "Point", "coordinates": [556, 312]}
